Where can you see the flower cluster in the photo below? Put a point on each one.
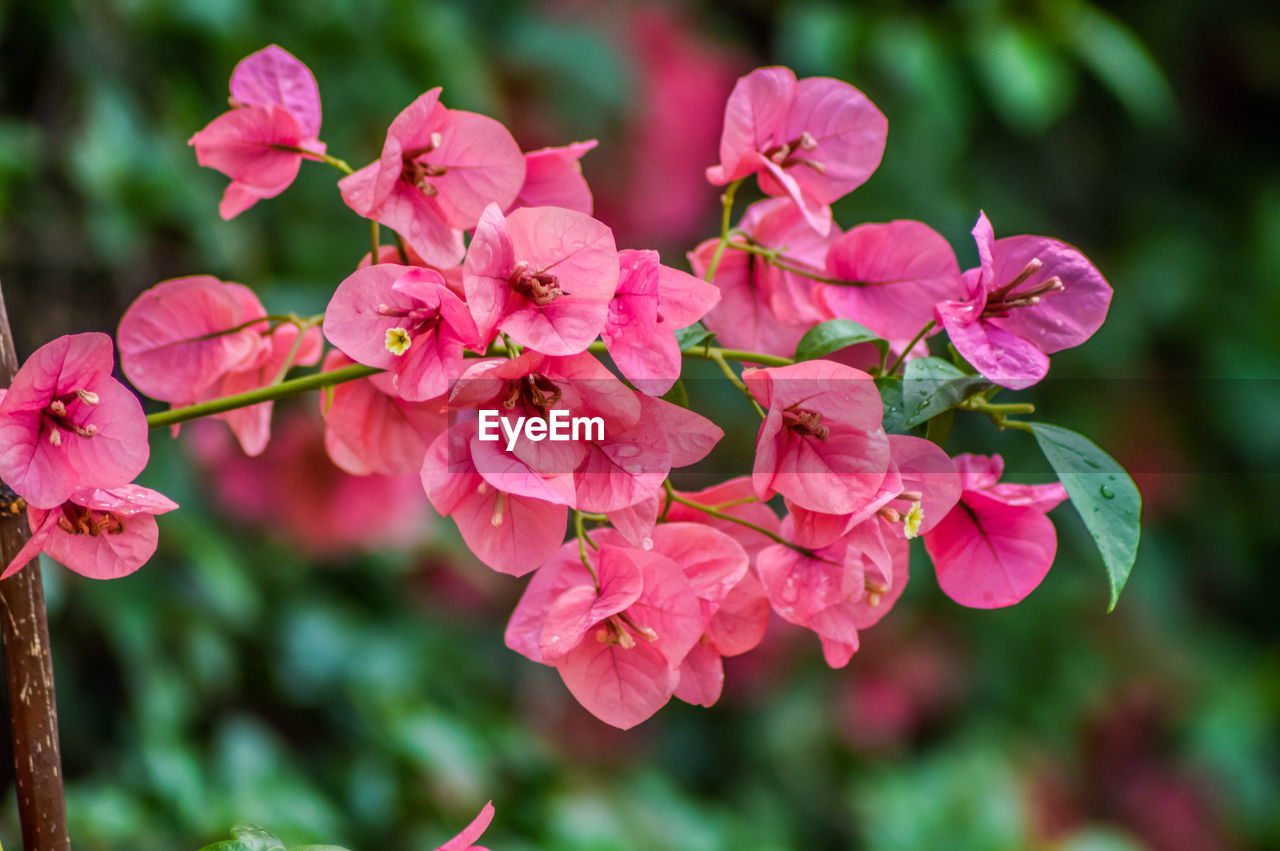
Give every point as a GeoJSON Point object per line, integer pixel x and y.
{"type": "Point", "coordinates": [491, 310]}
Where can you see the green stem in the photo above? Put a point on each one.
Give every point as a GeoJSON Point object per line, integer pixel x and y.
{"type": "Point", "coordinates": [401, 249]}
{"type": "Point", "coordinates": [928, 326]}
{"type": "Point", "coordinates": [581, 532]}
{"type": "Point", "coordinates": [672, 496]}
{"type": "Point", "coordinates": [303, 327]}
{"type": "Point", "coordinates": [712, 352]}
{"type": "Point", "coordinates": [316, 381]}
{"type": "Point", "coordinates": [727, 201]}
{"type": "Point", "coordinates": [777, 258]}
{"type": "Point", "coordinates": [717, 357]}
{"type": "Point", "coordinates": [374, 242]}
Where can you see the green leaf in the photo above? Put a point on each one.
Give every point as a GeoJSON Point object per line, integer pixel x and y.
{"type": "Point", "coordinates": [317, 848]}
{"type": "Point", "coordinates": [836, 334]}
{"type": "Point", "coordinates": [693, 336]}
{"type": "Point", "coordinates": [931, 386]}
{"type": "Point", "coordinates": [257, 838]}
{"type": "Point", "coordinates": [1103, 494]}
{"type": "Point", "coordinates": [677, 395]}
{"type": "Point", "coordinates": [940, 426]}
{"type": "Point", "coordinates": [891, 395]}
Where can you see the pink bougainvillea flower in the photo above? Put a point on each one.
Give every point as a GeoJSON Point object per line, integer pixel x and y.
{"type": "Point", "coordinates": [652, 301]}
{"type": "Point", "coordinates": [194, 339]}
{"type": "Point", "coordinates": [370, 429]}
{"type": "Point", "coordinates": [184, 334]}
{"type": "Point", "coordinates": [838, 589]}
{"type": "Point", "coordinates": [822, 445]}
{"type": "Point", "coordinates": [470, 833]}
{"type": "Point", "coordinates": [508, 532]}
{"type": "Point", "coordinates": [617, 638]}
{"type": "Point", "coordinates": [403, 319]}
{"type": "Point", "coordinates": [996, 545]}
{"type": "Point", "coordinates": [906, 267]}
{"type": "Point", "coordinates": [273, 125]}
{"type": "Point", "coordinates": [439, 168]}
{"type": "Point", "coordinates": [763, 307]}
{"type": "Point", "coordinates": [543, 275]}
{"type": "Point", "coordinates": [1030, 297]}
{"type": "Point", "coordinates": [553, 178]}
{"type": "Point", "coordinates": [67, 425]}
{"type": "Point", "coordinates": [813, 140]}
{"type": "Point", "coordinates": [98, 533]}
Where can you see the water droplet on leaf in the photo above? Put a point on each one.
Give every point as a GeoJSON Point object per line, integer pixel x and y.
{"type": "Point", "coordinates": [1107, 493]}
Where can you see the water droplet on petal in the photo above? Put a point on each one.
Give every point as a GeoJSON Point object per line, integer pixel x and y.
{"type": "Point", "coordinates": [646, 544]}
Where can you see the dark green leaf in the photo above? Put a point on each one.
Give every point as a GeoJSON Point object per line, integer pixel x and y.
{"type": "Point", "coordinates": [693, 336]}
{"type": "Point", "coordinates": [677, 395]}
{"type": "Point", "coordinates": [1103, 493]}
{"type": "Point", "coordinates": [931, 386]}
{"type": "Point", "coordinates": [891, 395]}
{"type": "Point", "coordinates": [836, 334]}
{"type": "Point", "coordinates": [940, 426]}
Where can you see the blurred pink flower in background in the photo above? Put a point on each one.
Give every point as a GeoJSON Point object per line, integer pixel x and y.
{"type": "Point", "coordinates": [295, 491]}
{"type": "Point", "coordinates": [653, 191]}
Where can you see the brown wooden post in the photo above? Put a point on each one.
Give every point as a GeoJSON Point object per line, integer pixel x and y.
{"type": "Point", "coordinates": [28, 668]}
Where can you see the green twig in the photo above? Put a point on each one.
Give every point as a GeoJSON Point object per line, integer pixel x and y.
{"type": "Point", "coordinates": [316, 381]}
{"type": "Point", "coordinates": [928, 326]}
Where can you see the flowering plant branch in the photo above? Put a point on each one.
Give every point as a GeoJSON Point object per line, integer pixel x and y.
{"type": "Point", "coordinates": [466, 353]}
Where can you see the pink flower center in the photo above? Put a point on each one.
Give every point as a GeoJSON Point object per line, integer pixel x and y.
{"type": "Point", "coordinates": [805, 423]}
{"type": "Point", "coordinates": [788, 153]}
{"type": "Point", "coordinates": [417, 173]}
{"type": "Point", "coordinates": [539, 287]}
{"type": "Point", "coordinates": [78, 520]}
{"type": "Point", "coordinates": [62, 414]}
{"type": "Point", "coordinates": [617, 629]}
{"type": "Point", "coordinates": [414, 321]}
{"type": "Point", "coordinates": [1004, 299]}
{"type": "Point", "coordinates": [533, 391]}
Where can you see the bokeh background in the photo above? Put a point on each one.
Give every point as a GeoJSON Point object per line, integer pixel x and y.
{"type": "Point", "coordinates": [315, 654]}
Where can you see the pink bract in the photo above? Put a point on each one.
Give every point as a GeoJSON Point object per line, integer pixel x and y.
{"type": "Point", "coordinates": [543, 275]}
{"type": "Point", "coordinates": [553, 178]}
{"type": "Point", "coordinates": [403, 319]}
{"type": "Point", "coordinates": [98, 533]}
{"type": "Point", "coordinates": [438, 170]}
{"type": "Point", "coordinates": [67, 425]}
{"type": "Point", "coordinates": [996, 546]}
{"type": "Point", "coordinates": [470, 833]}
{"type": "Point", "coordinates": [618, 645]}
{"type": "Point", "coordinates": [510, 533]}
{"type": "Point", "coordinates": [652, 301]}
{"type": "Point", "coordinates": [369, 429]}
{"type": "Point", "coordinates": [1030, 297]}
{"type": "Point", "coordinates": [184, 334]}
{"type": "Point", "coordinates": [821, 445]}
{"type": "Point", "coordinates": [907, 268]}
{"type": "Point", "coordinates": [273, 76]}
{"type": "Point", "coordinates": [813, 140]}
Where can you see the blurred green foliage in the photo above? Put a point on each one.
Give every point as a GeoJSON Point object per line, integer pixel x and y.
{"type": "Point", "coordinates": [358, 702]}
